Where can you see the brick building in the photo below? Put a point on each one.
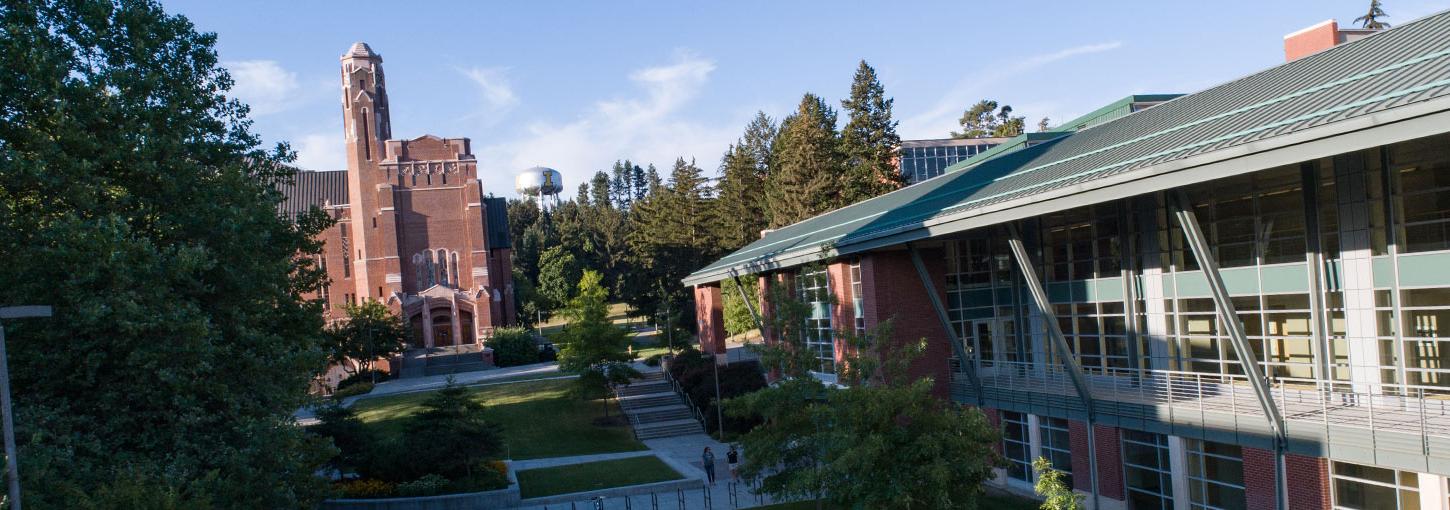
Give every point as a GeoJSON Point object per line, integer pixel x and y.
{"type": "Point", "coordinates": [1232, 299]}
{"type": "Point", "coordinates": [415, 228]}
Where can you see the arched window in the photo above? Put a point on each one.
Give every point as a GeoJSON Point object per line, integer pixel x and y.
{"type": "Point", "coordinates": [440, 267]}
{"type": "Point", "coordinates": [418, 278]}
{"type": "Point", "coordinates": [453, 266]}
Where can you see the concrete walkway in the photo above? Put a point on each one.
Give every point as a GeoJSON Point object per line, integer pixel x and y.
{"type": "Point", "coordinates": [522, 465]}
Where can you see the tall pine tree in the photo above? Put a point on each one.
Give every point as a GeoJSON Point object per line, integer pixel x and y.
{"type": "Point", "coordinates": [804, 180]}
{"type": "Point", "coordinates": [740, 204]}
{"type": "Point", "coordinates": [868, 139]}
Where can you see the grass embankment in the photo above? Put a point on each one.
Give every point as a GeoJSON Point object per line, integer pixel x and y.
{"type": "Point", "coordinates": [534, 483]}
{"type": "Point", "coordinates": [538, 419]}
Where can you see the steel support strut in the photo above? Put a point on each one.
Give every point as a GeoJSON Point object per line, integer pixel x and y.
{"type": "Point", "coordinates": [968, 362]}
{"type": "Point", "coordinates": [1059, 342]}
{"type": "Point", "coordinates": [750, 307]}
{"type": "Point", "coordinates": [1228, 316]}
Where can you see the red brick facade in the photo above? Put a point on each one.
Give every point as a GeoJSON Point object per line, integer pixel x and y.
{"type": "Point", "coordinates": [415, 229]}
{"type": "Point", "coordinates": [1308, 487]}
{"type": "Point", "coordinates": [893, 291]}
{"type": "Point", "coordinates": [1110, 462]}
{"type": "Point", "coordinates": [710, 312]}
{"type": "Point", "coordinates": [1259, 477]}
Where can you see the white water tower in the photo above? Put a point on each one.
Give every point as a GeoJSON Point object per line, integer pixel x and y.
{"type": "Point", "coordinates": [541, 184]}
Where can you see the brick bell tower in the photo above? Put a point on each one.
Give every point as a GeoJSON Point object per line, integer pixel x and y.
{"type": "Point", "coordinates": [366, 128]}
{"type": "Point", "coordinates": [426, 239]}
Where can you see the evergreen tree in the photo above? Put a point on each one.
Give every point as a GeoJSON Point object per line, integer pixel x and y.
{"type": "Point", "coordinates": [803, 181]}
{"type": "Point", "coordinates": [1371, 19]}
{"type": "Point", "coordinates": [600, 196]}
{"type": "Point", "coordinates": [593, 346]}
{"type": "Point", "coordinates": [986, 119]}
{"type": "Point", "coordinates": [638, 181]}
{"type": "Point", "coordinates": [740, 206]}
{"type": "Point", "coordinates": [758, 140]}
{"type": "Point", "coordinates": [621, 189]}
{"type": "Point", "coordinates": [869, 139]}
{"type": "Point", "coordinates": [138, 203]}
{"type": "Point", "coordinates": [672, 235]}
{"type": "Point", "coordinates": [1044, 125]}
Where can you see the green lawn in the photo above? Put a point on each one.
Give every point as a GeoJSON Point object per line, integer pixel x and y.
{"type": "Point", "coordinates": [534, 483]}
{"type": "Point", "coordinates": [989, 501]}
{"type": "Point", "coordinates": [539, 419]}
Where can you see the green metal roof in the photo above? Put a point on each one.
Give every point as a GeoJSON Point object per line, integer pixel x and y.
{"type": "Point", "coordinates": [1347, 89]}
{"type": "Point", "coordinates": [1119, 108]}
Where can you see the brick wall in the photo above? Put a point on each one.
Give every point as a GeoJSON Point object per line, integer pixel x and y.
{"type": "Point", "coordinates": [1308, 478]}
{"type": "Point", "coordinates": [892, 290]}
{"type": "Point", "coordinates": [1259, 478]}
{"type": "Point", "coordinates": [1081, 461]}
{"type": "Point", "coordinates": [1311, 40]}
{"type": "Point", "coordinates": [843, 316]}
{"type": "Point", "coordinates": [1110, 462]}
{"type": "Point", "coordinates": [710, 318]}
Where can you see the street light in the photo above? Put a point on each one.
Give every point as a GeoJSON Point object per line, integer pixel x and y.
{"type": "Point", "coordinates": [11, 473]}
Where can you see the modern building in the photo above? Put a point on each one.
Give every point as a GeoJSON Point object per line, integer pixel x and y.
{"type": "Point", "coordinates": [1238, 298]}
{"type": "Point", "coordinates": [415, 228]}
{"type": "Point", "coordinates": [919, 160]}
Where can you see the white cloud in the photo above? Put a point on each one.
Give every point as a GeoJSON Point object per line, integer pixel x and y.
{"type": "Point", "coordinates": [321, 151]}
{"type": "Point", "coordinates": [942, 117]}
{"type": "Point", "coordinates": [494, 89]}
{"type": "Point", "coordinates": [646, 128]}
{"type": "Point", "coordinates": [264, 85]}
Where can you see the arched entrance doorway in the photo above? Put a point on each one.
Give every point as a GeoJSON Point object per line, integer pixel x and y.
{"type": "Point", "coordinates": [443, 330]}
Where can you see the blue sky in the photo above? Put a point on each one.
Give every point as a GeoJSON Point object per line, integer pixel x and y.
{"type": "Point", "coordinates": [577, 85]}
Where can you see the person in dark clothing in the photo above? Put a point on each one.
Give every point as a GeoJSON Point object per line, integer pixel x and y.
{"type": "Point", "coordinates": [709, 461]}
{"type": "Point", "coordinates": [732, 458]}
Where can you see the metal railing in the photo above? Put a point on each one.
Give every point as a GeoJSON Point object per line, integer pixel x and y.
{"type": "Point", "coordinates": [680, 390]}
{"type": "Point", "coordinates": [1308, 405]}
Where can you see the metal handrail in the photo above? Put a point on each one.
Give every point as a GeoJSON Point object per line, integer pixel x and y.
{"type": "Point", "coordinates": [1420, 410]}
{"type": "Point", "coordinates": [680, 391]}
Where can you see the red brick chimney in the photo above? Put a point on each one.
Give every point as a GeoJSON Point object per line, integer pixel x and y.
{"type": "Point", "coordinates": [1322, 36]}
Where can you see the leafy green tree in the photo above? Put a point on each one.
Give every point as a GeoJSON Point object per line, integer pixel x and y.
{"type": "Point", "coordinates": [558, 275]}
{"type": "Point", "coordinates": [815, 442]}
{"type": "Point", "coordinates": [513, 346]}
{"type": "Point", "coordinates": [869, 139]}
{"type": "Point", "coordinates": [450, 435]}
{"type": "Point", "coordinates": [138, 203]}
{"type": "Point", "coordinates": [1052, 486]}
{"type": "Point", "coordinates": [369, 331]}
{"type": "Point", "coordinates": [804, 178]}
{"type": "Point", "coordinates": [738, 318]}
{"type": "Point", "coordinates": [986, 119]}
{"type": "Point", "coordinates": [593, 346]}
{"type": "Point", "coordinates": [1044, 124]}
{"type": "Point", "coordinates": [1371, 19]}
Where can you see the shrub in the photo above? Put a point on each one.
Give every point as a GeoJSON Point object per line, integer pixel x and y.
{"type": "Point", "coordinates": [361, 388]}
{"type": "Point", "coordinates": [428, 485]}
{"type": "Point", "coordinates": [363, 376]}
{"type": "Point", "coordinates": [498, 466]}
{"type": "Point", "coordinates": [654, 360]}
{"type": "Point", "coordinates": [513, 346]}
{"type": "Point", "coordinates": [489, 479]}
{"type": "Point", "coordinates": [736, 379]}
{"type": "Point", "coordinates": [352, 439]}
{"type": "Point", "coordinates": [366, 488]}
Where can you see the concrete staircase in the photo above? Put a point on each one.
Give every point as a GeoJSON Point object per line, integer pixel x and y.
{"type": "Point", "coordinates": [654, 410]}
{"type": "Point", "coordinates": [443, 360]}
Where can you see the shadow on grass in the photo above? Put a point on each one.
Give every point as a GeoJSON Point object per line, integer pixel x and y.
{"type": "Point", "coordinates": [538, 418]}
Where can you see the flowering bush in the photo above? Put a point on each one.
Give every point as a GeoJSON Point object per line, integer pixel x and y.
{"type": "Point", "coordinates": [365, 488]}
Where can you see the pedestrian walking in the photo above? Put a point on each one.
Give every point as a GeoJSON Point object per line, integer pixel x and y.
{"type": "Point", "coordinates": [732, 458]}
{"type": "Point", "coordinates": [709, 460]}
